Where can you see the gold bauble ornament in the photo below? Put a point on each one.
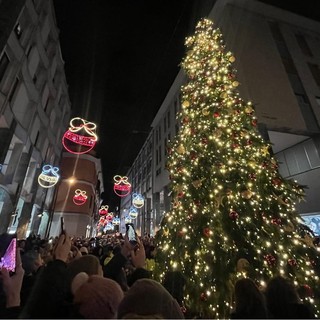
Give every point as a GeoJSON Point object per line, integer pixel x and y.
{"type": "Point", "coordinates": [243, 265]}
{"type": "Point", "coordinates": [223, 95]}
{"type": "Point", "coordinates": [232, 59]}
{"type": "Point", "coordinates": [217, 133]}
{"type": "Point", "coordinates": [197, 183]}
{"type": "Point", "coordinates": [289, 227]}
{"type": "Point", "coordinates": [205, 112]}
{"type": "Point", "coordinates": [181, 149]}
{"type": "Point", "coordinates": [186, 104]}
{"type": "Point", "coordinates": [248, 110]}
{"type": "Point", "coordinates": [235, 83]}
{"type": "Point", "coordinates": [247, 194]}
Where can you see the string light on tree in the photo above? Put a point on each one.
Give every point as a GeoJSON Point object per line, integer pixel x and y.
{"type": "Point", "coordinates": [226, 191]}
{"type": "Point", "coordinates": [81, 136]}
{"type": "Point", "coordinates": [80, 197]}
{"type": "Point", "coordinates": [121, 187]}
{"type": "Point", "coordinates": [49, 176]}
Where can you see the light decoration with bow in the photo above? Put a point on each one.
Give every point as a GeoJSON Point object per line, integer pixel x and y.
{"type": "Point", "coordinates": [109, 217]}
{"type": "Point", "coordinates": [80, 197]}
{"type": "Point", "coordinates": [137, 200]}
{"type": "Point", "coordinates": [80, 137]}
{"type": "Point", "coordinates": [116, 221]}
{"type": "Point", "coordinates": [109, 227]}
{"type": "Point", "coordinates": [133, 212]}
{"type": "Point", "coordinates": [122, 187]}
{"type": "Point", "coordinates": [49, 176]}
{"type": "Point", "coordinates": [103, 210]}
{"type": "Point", "coordinates": [127, 219]}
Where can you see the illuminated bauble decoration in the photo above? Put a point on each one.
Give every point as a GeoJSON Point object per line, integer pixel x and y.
{"type": "Point", "coordinates": [109, 216]}
{"type": "Point", "coordinates": [232, 59]}
{"type": "Point", "coordinates": [102, 221]}
{"type": "Point", "coordinates": [133, 212]}
{"type": "Point", "coordinates": [185, 104]}
{"type": "Point", "coordinates": [49, 176]}
{"type": "Point", "coordinates": [80, 197]}
{"type": "Point", "coordinates": [181, 149]}
{"type": "Point", "coordinates": [109, 226]}
{"type": "Point", "coordinates": [121, 187]}
{"type": "Point", "coordinates": [235, 83]}
{"type": "Point", "coordinates": [80, 137]}
{"type": "Point", "coordinates": [127, 219]}
{"type": "Point", "coordinates": [103, 210]}
{"type": "Point", "coordinates": [137, 200]}
{"type": "Point", "coordinates": [116, 221]}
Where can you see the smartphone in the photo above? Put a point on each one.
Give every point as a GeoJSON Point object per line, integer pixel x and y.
{"type": "Point", "coordinates": [131, 233]}
{"type": "Point", "coordinates": [62, 224]}
{"type": "Point", "coordinates": [8, 259]}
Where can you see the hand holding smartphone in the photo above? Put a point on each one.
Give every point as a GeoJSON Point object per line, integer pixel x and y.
{"type": "Point", "coordinates": [62, 225]}
{"type": "Point", "coordinates": [131, 233]}
{"type": "Point", "coordinates": [8, 260]}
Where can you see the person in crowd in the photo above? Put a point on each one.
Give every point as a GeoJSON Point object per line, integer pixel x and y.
{"type": "Point", "coordinates": [95, 297]}
{"type": "Point", "coordinates": [31, 263]}
{"type": "Point", "coordinates": [149, 299]}
{"type": "Point", "coordinates": [48, 296]}
{"type": "Point", "coordinates": [283, 301]}
{"type": "Point", "coordinates": [249, 301]}
{"type": "Point", "coordinates": [84, 251]}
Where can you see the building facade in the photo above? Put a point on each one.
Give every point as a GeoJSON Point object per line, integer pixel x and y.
{"type": "Point", "coordinates": [278, 63]}
{"type": "Point", "coordinates": [34, 111]}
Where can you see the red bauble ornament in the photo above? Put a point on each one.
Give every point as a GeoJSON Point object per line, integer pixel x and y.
{"type": "Point", "coordinates": [180, 194]}
{"type": "Point", "coordinates": [206, 232]}
{"type": "Point", "coordinates": [276, 182]}
{"type": "Point", "coordinates": [292, 262]}
{"type": "Point", "coordinates": [204, 140]}
{"type": "Point", "coordinates": [249, 142]}
{"type": "Point", "coordinates": [235, 146]}
{"type": "Point", "coordinates": [254, 123]}
{"type": "Point", "coordinates": [216, 114]}
{"type": "Point", "coordinates": [252, 176]}
{"type": "Point", "coordinates": [203, 297]}
{"type": "Point", "coordinates": [276, 221]}
{"type": "Point", "coordinates": [180, 233]}
{"type": "Point", "coordinates": [193, 155]}
{"type": "Point", "coordinates": [234, 215]}
{"type": "Point", "coordinates": [197, 203]}
{"type": "Point", "coordinates": [308, 292]}
{"type": "Point", "coordinates": [271, 260]}
{"type": "Point", "coordinates": [185, 120]}
{"type": "Point", "coordinates": [265, 164]}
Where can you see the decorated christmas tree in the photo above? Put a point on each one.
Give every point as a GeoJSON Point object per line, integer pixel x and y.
{"type": "Point", "coordinates": [233, 215]}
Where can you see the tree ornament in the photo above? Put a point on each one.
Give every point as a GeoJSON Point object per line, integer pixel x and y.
{"type": "Point", "coordinates": [252, 176]}
{"type": "Point", "coordinates": [277, 182]}
{"type": "Point", "coordinates": [80, 138]}
{"type": "Point", "coordinates": [121, 187]}
{"type": "Point", "coordinates": [292, 262]}
{"type": "Point", "coordinates": [248, 110]}
{"type": "Point", "coordinates": [49, 176]}
{"type": "Point", "coordinates": [254, 122]}
{"type": "Point", "coordinates": [289, 227]}
{"type": "Point", "coordinates": [216, 114]}
{"type": "Point", "coordinates": [180, 233]}
{"type": "Point", "coordinates": [308, 292]}
{"type": "Point", "coordinates": [206, 232]}
{"type": "Point", "coordinates": [243, 265]}
{"type": "Point", "coordinates": [80, 197]}
{"type": "Point", "coordinates": [232, 59]}
{"type": "Point", "coordinates": [247, 194]}
{"type": "Point", "coordinates": [204, 140]}
{"type": "Point", "coordinates": [205, 112]}
{"type": "Point", "coordinates": [308, 241]}
{"type": "Point", "coordinates": [181, 149]}
{"type": "Point", "coordinates": [203, 296]}
{"type": "Point", "coordinates": [185, 120]}
{"type": "Point", "coordinates": [234, 215]}
{"type": "Point", "coordinates": [276, 221]}
{"type": "Point", "coordinates": [235, 83]}
{"type": "Point", "coordinates": [217, 133]}
{"type": "Point", "coordinates": [271, 260]}
{"type": "Point", "coordinates": [197, 184]}
{"type": "Point", "coordinates": [186, 104]}
{"type": "Point", "coordinates": [223, 95]}
{"type": "Point", "coordinates": [180, 194]}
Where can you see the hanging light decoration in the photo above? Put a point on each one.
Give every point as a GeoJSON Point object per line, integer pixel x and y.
{"type": "Point", "coordinates": [109, 217]}
{"type": "Point", "coordinates": [127, 219]}
{"type": "Point", "coordinates": [137, 200]}
{"type": "Point", "coordinates": [133, 212]}
{"type": "Point", "coordinates": [116, 221]}
{"type": "Point", "coordinates": [49, 176]}
{"type": "Point", "coordinates": [109, 227]}
{"type": "Point", "coordinates": [80, 197]}
{"type": "Point", "coordinates": [122, 187]}
{"type": "Point", "coordinates": [103, 210]}
{"type": "Point", "coordinates": [80, 137]}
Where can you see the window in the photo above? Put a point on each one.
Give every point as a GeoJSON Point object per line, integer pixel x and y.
{"type": "Point", "coordinates": [4, 62]}
{"type": "Point", "coordinates": [164, 124]}
{"type": "Point", "coordinates": [13, 90]}
{"type": "Point", "coordinates": [165, 146]}
{"type": "Point", "coordinates": [37, 139]}
{"type": "Point", "coordinates": [160, 154]}
{"type": "Point", "coordinates": [18, 30]}
{"type": "Point", "coordinates": [168, 117]}
{"type": "Point", "coordinates": [303, 44]}
{"type": "Point", "coordinates": [314, 69]}
{"type": "Point", "coordinates": [157, 157]}
{"type": "Point", "coordinates": [159, 133]}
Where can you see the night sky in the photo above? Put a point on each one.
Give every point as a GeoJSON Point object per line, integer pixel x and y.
{"type": "Point", "coordinates": [121, 57]}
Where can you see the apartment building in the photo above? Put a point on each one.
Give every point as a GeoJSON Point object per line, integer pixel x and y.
{"type": "Point", "coordinates": [34, 111]}
{"type": "Point", "coordinates": [278, 62]}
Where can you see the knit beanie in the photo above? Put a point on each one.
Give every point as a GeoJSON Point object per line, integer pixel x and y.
{"type": "Point", "coordinates": [96, 297]}
{"type": "Point", "coordinates": [147, 297]}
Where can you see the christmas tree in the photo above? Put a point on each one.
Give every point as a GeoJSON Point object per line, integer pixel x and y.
{"type": "Point", "coordinates": [232, 215]}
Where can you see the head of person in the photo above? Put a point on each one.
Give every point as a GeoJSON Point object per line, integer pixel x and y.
{"type": "Point", "coordinates": [249, 300]}
{"type": "Point", "coordinates": [174, 282]}
{"type": "Point", "coordinates": [95, 297]}
{"type": "Point", "coordinates": [149, 299]}
{"type": "Point", "coordinates": [84, 251]}
{"type": "Point", "coordinates": [31, 262]}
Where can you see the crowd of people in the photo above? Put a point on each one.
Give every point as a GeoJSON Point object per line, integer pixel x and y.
{"type": "Point", "coordinates": [106, 278]}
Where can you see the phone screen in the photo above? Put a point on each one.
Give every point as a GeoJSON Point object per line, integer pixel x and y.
{"type": "Point", "coordinates": [62, 224]}
{"type": "Point", "coordinates": [131, 233]}
{"type": "Point", "coordinates": [8, 260]}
